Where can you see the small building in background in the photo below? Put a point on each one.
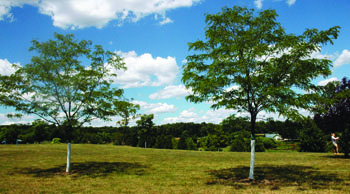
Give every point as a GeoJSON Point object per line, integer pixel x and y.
{"type": "Point", "coordinates": [273, 136]}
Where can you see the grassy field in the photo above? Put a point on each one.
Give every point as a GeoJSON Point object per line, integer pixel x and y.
{"type": "Point", "coordinates": [117, 169]}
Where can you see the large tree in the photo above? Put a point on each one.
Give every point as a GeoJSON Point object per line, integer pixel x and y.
{"type": "Point", "coordinates": [249, 63]}
{"type": "Point", "coordinates": [333, 112]}
{"type": "Point", "coordinates": [67, 83]}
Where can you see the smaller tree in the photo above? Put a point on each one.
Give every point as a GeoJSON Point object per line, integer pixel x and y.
{"type": "Point", "coordinates": [182, 145]}
{"type": "Point", "coordinates": [40, 130]}
{"type": "Point", "coordinates": [164, 142]}
{"type": "Point", "coordinates": [233, 124]}
{"type": "Point", "coordinates": [127, 111]}
{"type": "Point", "coordinates": [145, 130]}
{"type": "Point", "coordinates": [239, 144]}
{"type": "Point", "coordinates": [344, 141]}
{"type": "Point", "coordinates": [311, 137]}
{"type": "Point", "coordinates": [9, 134]}
{"type": "Point", "coordinates": [333, 111]}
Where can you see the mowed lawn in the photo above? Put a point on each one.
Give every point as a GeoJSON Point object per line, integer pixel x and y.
{"type": "Point", "coordinates": [119, 169]}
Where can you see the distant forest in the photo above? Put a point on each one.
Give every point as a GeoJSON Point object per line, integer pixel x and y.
{"type": "Point", "coordinates": [170, 136]}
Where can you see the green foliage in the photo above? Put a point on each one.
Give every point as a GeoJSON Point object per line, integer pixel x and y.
{"type": "Point", "coordinates": [182, 144]}
{"type": "Point", "coordinates": [240, 144]}
{"type": "Point", "coordinates": [175, 143]}
{"type": "Point", "coordinates": [311, 138]}
{"type": "Point", "coordinates": [146, 131]}
{"type": "Point", "coordinates": [215, 141]}
{"type": "Point", "coordinates": [333, 111]}
{"type": "Point", "coordinates": [344, 141]}
{"type": "Point", "coordinates": [249, 63]}
{"type": "Point", "coordinates": [190, 144]}
{"type": "Point", "coordinates": [164, 142]}
{"type": "Point", "coordinates": [116, 142]}
{"type": "Point", "coordinates": [243, 133]}
{"type": "Point", "coordinates": [9, 134]}
{"type": "Point", "coordinates": [56, 141]}
{"type": "Point", "coordinates": [56, 82]}
{"type": "Point", "coordinates": [40, 130]}
{"type": "Point", "coordinates": [233, 124]}
{"type": "Point", "coordinates": [289, 129]}
{"type": "Point", "coordinates": [127, 111]}
{"type": "Point", "coordinates": [259, 146]}
{"type": "Point", "coordinates": [186, 142]}
{"type": "Point", "coordinates": [267, 142]}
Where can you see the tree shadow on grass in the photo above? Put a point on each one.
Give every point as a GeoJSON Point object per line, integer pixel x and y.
{"type": "Point", "coordinates": [91, 169]}
{"type": "Point", "coordinates": [274, 177]}
{"type": "Point", "coordinates": [336, 157]}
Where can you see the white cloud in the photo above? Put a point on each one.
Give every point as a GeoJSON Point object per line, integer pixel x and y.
{"type": "Point", "coordinates": [6, 5]}
{"type": "Point", "coordinates": [97, 13]}
{"type": "Point", "coordinates": [217, 116]}
{"type": "Point", "coordinates": [25, 119]}
{"type": "Point", "coordinates": [258, 3]}
{"type": "Point", "coordinates": [291, 2]}
{"type": "Point", "coordinates": [144, 70]}
{"type": "Point", "coordinates": [318, 55]}
{"type": "Point", "coordinates": [6, 67]}
{"type": "Point", "coordinates": [166, 21]}
{"type": "Point", "coordinates": [170, 92]}
{"type": "Point", "coordinates": [325, 82]}
{"type": "Point", "coordinates": [343, 59]}
{"type": "Point", "coordinates": [190, 115]}
{"type": "Point", "coordinates": [155, 108]}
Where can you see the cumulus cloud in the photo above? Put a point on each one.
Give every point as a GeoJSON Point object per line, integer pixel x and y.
{"type": "Point", "coordinates": [97, 13]}
{"type": "Point", "coordinates": [190, 115]}
{"type": "Point", "coordinates": [155, 108]}
{"type": "Point", "coordinates": [170, 92]}
{"type": "Point", "coordinates": [217, 116]}
{"type": "Point", "coordinates": [25, 119]}
{"type": "Point", "coordinates": [6, 5]}
{"type": "Point", "coordinates": [291, 2]}
{"type": "Point", "coordinates": [144, 70]}
{"type": "Point", "coordinates": [6, 67]}
{"type": "Point", "coordinates": [319, 55]}
{"type": "Point", "coordinates": [343, 59]}
{"type": "Point", "coordinates": [326, 81]}
{"type": "Point", "coordinates": [258, 3]}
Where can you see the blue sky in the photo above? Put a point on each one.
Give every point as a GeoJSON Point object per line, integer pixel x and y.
{"type": "Point", "coordinates": [152, 38]}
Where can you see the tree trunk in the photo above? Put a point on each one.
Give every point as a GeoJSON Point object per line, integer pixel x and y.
{"type": "Point", "coordinates": [68, 157]}
{"type": "Point", "coordinates": [252, 160]}
{"type": "Point", "coordinates": [252, 151]}
{"type": "Point", "coordinates": [69, 138]}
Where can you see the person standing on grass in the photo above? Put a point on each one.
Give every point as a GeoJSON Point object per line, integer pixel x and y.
{"type": "Point", "coordinates": [335, 145]}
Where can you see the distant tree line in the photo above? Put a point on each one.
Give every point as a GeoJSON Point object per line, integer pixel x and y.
{"type": "Point", "coordinates": [232, 132]}
{"type": "Point", "coordinates": [186, 136]}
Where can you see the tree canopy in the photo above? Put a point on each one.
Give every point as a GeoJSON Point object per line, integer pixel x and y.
{"type": "Point", "coordinates": [333, 111]}
{"type": "Point", "coordinates": [249, 63]}
{"type": "Point", "coordinates": [67, 83]}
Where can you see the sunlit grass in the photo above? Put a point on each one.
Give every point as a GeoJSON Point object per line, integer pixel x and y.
{"type": "Point", "coordinates": [117, 169]}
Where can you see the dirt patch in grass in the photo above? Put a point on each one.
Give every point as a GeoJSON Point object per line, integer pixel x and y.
{"type": "Point", "coordinates": [275, 177]}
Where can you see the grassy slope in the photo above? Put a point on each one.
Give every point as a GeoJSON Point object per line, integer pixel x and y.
{"type": "Point", "coordinates": [115, 169]}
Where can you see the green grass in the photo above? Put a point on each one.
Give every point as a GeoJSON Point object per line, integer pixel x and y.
{"type": "Point", "coordinates": [117, 169]}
